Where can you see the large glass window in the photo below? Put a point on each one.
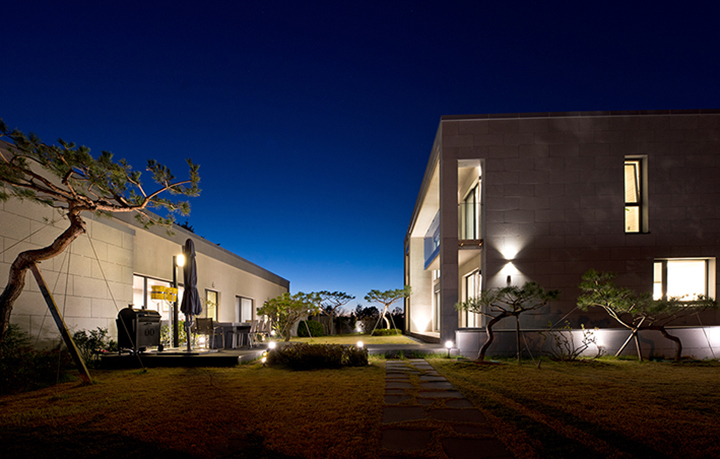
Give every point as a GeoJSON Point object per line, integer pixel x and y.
{"type": "Point", "coordinates": [142, 298]}
{"type": "Point", "coordinates": [210, 311]}
{"type": "Point", "coordinates": [243, 309]}
{"type": "Point", "coordinates": [470, 214]}
{"type": "Point", "coordinates": [472, 290]}
{"type": "Point", "coordinates": [685, 279]}
{"type": "Point", "coordinates": [634, 192]}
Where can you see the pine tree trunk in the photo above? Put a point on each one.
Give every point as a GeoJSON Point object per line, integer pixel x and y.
{"type": "Point", "coordinates": [16, 277]}
{"type": "Point", "coordinates": [675, 339]}
{"type": "Point", "coordinates": [490, 336]}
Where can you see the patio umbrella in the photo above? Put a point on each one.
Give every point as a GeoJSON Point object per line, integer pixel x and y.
{"type": "Point", "coordinates": [191, 305]}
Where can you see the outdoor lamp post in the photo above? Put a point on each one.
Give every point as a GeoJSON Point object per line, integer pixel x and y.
{"type": "Point", "coordinates": [178, 261]}
{"type": "Point", "coordinates": [448, 345]}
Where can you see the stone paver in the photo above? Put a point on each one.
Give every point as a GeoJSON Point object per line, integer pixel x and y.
{"type": "Point", "coordinates": [416, 394]}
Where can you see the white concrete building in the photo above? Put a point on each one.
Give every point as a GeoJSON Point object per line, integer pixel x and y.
{"type": "Point", "coordinates": [115, 264]}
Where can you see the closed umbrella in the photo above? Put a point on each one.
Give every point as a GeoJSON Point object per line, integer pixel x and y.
{"type": "Point", "coordinates": [191, 305]}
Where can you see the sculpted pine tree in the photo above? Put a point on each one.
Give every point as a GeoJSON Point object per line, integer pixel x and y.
{"type": "Point", "coordinates": [331, 302]}
{"type": "Point", "coordinates": [286, 310]}
{"type": "Point", "coordinates": [638, 311]}
{"type": "Point", "coordinates": [387, 298]}
{"type": "Point", "coordinates": [500, 303]}
{"type": "Point", "coordinates": [66, 177]}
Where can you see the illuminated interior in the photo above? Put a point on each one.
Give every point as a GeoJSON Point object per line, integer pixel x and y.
{"type": "Point", "coordinates": [684, 279]}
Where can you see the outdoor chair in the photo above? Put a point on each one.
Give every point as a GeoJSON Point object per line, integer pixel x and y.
{"type": "Point", "coordinates": [252, 332]}
{"type": "Point", "coordinates": [207, 327]}
{"type": "Point", "coordinates": [267, 329]}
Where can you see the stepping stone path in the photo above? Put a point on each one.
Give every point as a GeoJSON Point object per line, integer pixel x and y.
{"type": "Point", "coordinates": [425, 416]}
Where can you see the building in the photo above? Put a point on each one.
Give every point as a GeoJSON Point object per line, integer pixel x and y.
{"type": "Point", "coordinates": [116, 264]}
{"type": "Point", "coordinates": [545, 197]}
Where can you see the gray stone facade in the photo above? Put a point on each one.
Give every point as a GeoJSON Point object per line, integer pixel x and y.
{"type": "Point", "coordinates": [552, 206]}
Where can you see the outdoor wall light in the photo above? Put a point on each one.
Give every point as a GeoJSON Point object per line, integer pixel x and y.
{"type": "Point", "coordinates": [448, 346]}
{"type": "Point", "coordinates": [360, 344]}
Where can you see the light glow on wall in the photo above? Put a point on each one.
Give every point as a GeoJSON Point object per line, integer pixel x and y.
{"type": "Point", "coordinates": [421, 322]}
{"type": "Point", "coordinates": [510, 250]}
{"type": "Point", "coordinates": [509, 269]}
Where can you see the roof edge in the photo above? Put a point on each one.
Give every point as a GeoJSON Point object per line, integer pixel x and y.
{"type": "Point", "coordinates": [504, 116]}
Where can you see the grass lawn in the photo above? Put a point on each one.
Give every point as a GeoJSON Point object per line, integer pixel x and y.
{"type": "Point", "coordinates": [592, 409]}
{"type": "Point", "coordinates": [354, 338]}
{"type": "Point", "coordinates": [597, 409]}
{"type": "Point", "coordinates": [246, 411]}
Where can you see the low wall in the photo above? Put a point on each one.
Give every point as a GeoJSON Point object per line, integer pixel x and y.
{"type": "Point", "coordinates": [697, 342]}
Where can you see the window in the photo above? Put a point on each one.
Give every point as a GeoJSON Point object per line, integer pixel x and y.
{"type": "Point", "coordinates": [470, 214]}
{"type": "Point", "coordinates": [436, 311]}
{"type": "Point", "coordinates": [472, 290]}
{"type": "Point", "coordinates": [211, 305]}
{"type": "Point", "coordinates": [635, 196]}
{"type": "Point", "coordinates": [142, 299]}
{"type": "Point", "coordinates": [685, 279]}
{"type": "Point", "coordinates": [243, 309]}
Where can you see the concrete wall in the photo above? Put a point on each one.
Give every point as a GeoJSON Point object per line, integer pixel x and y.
{"type": "Point", "coordinates": [99, 279]}
{"type": "Point", "coordinates": [697, 343]}
{"type": "Point", "coordinates": [554, 204]}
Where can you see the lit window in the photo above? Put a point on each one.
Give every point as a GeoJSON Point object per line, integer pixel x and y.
{"type": "Point", "coordinates": [472, 290]}
{"type": "Point", "coordinates": [211, 305]}
{"type": "Point", "coordinates": [634, 196]}
{"type": "Point", "coordinates": [684, 279]}
{"type": "Point", "coordinates": [470, 215]}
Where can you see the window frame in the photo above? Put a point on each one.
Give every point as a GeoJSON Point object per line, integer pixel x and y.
{"type": "Point", "coordinates": [660, 266]}
{"type": "Point", "coordinates": [474, 193]}
{"type": "Point", "coordinates": [641, 198]}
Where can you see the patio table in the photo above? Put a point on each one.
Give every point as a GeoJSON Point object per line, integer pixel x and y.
{"type": "Point", "coordinates": [230, 329]}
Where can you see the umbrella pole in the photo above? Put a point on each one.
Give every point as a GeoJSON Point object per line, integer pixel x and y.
{"type": "Point", "coordinates": [187, 331]}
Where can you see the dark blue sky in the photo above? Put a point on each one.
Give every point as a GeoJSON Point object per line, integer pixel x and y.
{"type": "Point", "coordinates": [313, 120]}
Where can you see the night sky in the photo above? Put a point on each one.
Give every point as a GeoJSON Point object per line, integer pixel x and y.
{"type": "Point", "coordinates": [313, 121]}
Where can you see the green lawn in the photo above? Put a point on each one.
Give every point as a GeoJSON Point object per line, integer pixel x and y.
{"type": "Point", "coordinates": [597, 409]}
{"type": "Point", "coordinates": [354, 338]}
{"type": "Point", "coordinates": [246, 411]}
{"type": "Point", "coordinates": [591, 409]}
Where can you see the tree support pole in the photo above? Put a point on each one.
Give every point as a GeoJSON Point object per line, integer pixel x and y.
{"type": "Point", "coordinates": [84, 374]}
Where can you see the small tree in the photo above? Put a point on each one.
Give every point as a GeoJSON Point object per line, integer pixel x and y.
{"type": "Point", "coordinates": [367, 316]}
{"type": "Point", "coordinates": [66, 177]}
{"type": "Point", "coordinates": [286, 310]}
{"type": "Point", "coordinates": [511, 301]}
{"type": "Point", "coordinates": [637, 311]}
{"type": "Point", "coordinates": [331, 302]}
{"type": "Point", "coordinates": [387, 298]}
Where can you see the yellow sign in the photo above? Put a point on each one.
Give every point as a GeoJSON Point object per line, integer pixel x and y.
{"type": "Point", "coordinates": [160, 292]}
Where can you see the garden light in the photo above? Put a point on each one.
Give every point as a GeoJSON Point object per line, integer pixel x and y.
{"type": "Point", "coordinates": [448, 345]}
{"type": "Point", "coordinates": [360, 344]}
{"type": "Point", "coordinates": [272, 344]}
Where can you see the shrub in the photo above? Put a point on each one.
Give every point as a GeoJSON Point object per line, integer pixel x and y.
{"type": "Point", "coordinates": [563, 346]}
{"type": "Point", "coordinates": [302, 356]}
{"type": "Point", "coordinates": [23, 368]}
{"type": "Point", "coordinates": [386, 332]}
{"type": "Point", "coordinates": [166, 334]}
{"type": "Point", "coordinates": [90, 345]}
{"type": "Point", "coordinates": [316, 328]}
